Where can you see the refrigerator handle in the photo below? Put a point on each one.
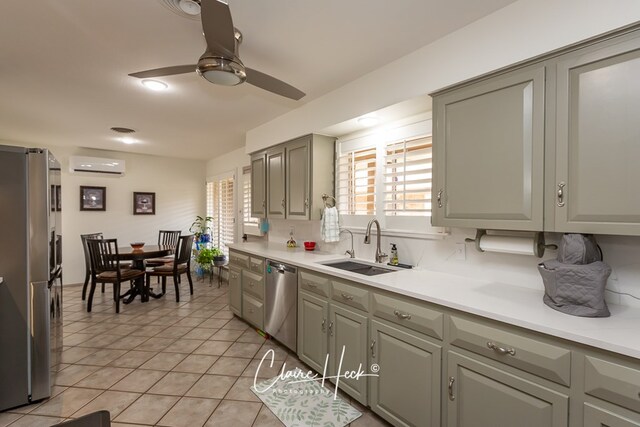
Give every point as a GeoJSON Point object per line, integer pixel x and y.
{"type": "Point", "coordinates": [40, 317]}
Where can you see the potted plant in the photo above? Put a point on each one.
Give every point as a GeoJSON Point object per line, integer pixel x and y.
{"type": "Point", "coordinates": [219, 258]}
{"type": "Point", "coordinates": [200, 229]}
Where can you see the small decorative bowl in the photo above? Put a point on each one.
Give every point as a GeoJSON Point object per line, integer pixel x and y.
{"type": "Point", "coordinates": [309, 246]}
{"type": "Point", "coordinates": [137, 245]}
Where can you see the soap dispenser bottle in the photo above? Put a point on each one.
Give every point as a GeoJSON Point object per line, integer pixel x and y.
{"type": "Point", "coordinates": [394, 255]}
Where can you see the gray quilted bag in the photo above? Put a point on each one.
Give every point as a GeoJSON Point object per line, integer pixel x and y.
{"type": "Point", "coordinates": [574, 283]}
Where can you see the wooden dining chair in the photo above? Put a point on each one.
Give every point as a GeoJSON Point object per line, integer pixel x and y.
{"type": "Point", "coordinates": [165, 238]}
{"type": "Point", "coordinates": [181, 265]}
{"type": "Point", "coordinates": [106, 268]}
{"type": "Point", "coordinates": [87, 261]}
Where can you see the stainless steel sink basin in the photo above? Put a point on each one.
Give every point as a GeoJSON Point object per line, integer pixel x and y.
{"type": "Point", "coordinates": [359, 267]}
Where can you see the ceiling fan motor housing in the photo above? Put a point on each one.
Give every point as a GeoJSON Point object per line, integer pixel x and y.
{"type": "Point", "coordinates": [220, 70]}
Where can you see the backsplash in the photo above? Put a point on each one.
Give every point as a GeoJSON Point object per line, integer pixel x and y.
{"type": "Point", "coordinates": [622, 253]}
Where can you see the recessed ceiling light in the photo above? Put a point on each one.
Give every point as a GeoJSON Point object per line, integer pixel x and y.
{"type": "Point", "coordinates": [119, 129]}
{"type": "Point", "coordinates": [190, 7]}
{"type": "Point", "coordinates": [368, 120]}
{"type": "Point", "coordinates": [127, 140]}
{"type": "Point", "coordinates": [154, 84]}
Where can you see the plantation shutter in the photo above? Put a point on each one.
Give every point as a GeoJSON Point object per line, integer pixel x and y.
{"type": "Point", "coordinates": [356, 182]}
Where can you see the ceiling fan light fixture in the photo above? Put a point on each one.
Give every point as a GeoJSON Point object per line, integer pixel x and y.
{"type": "Point", "coordinates": [190, 7]}
{"type": "Point", "coordinates": [222, 71]}
{"type": "Point", "coordinates": [154, 84]}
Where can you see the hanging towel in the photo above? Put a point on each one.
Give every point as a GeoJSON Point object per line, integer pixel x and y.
{"type": "Point", "coordinates": [329, 227]}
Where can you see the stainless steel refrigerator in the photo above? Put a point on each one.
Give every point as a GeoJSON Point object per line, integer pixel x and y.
{"type": "Point", "coordinates": [30, 273]}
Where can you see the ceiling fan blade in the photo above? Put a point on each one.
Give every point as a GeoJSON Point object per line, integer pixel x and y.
{"type": "Point", "coordinates": [266, 82]}
{"type": "Point", "coordinates": [217, 26]}
{"type": "Point", "coordinates": [165, 71]}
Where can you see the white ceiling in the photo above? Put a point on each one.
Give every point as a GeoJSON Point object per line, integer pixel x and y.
{"type": "Point", "coordinates": [64, 65]}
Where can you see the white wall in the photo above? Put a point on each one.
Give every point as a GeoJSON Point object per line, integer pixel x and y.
{"type": "Point", "coordinates": [180, 196]}
{"type": "Point", "coordinates": [517, 32]}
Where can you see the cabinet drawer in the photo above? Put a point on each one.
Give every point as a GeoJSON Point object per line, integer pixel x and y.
{"type": "Point", "coordinates": [241, 260]}
{"type": "Point", "coordinates": [409, 314]}
{"type": "Point", "coordinates": [314, 283]}
{"type": "Point", "coordinates": [537, 357]}
{"type": "Point", "coordinates": [350, 295]}
{"type": "Point", "coordinates": [614, 383]}
{"type": "Point", "coordinates": [252, 310]}
{"type": "Point", "coordinates": [253, 283]}
{"type": "Point", "coordinates": [256, 265]}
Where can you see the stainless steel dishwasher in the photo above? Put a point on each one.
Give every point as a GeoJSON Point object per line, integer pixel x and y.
{"type": "Point", "coordinates": [281, 303]}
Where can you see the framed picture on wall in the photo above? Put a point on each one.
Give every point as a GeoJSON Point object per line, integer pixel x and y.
{"type": "Point", "coordinates": [144, 203]}
{"type": "Point", "coordinates": [93, 198]}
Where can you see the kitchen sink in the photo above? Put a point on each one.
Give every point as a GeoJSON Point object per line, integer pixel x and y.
{"type": "Point", "coordinates": [359, 267]}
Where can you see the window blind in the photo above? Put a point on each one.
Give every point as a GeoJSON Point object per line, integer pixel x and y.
{"type": "Point", "coordinates": [220, 208]}
{"type": "Point", "coordinates": [356, 182]}
{"type": "Point", "coordinates": [407, 177]}
{"type": "Point", "coordinates": [246, 197]}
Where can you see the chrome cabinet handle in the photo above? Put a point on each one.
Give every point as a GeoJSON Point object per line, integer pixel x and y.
{"type": "Point", "coordinates": [501, 350]}
{"type": "Point", "coordinates": [311, 285]}
{"type": "Point", "coordinates": [402, 315]}
{"type": "Point", "coordinates": [284, 205]}
{"type": "Point", "coordinates": [331, 328]}
{"type": "Point", "coordinates": [451, 395]}
{"type": "Point", "coordinates": [324, 328]}
{"type": "Point", "coordinates": [251, 284]}
{"type": "Point", "coordinates": [439, 198]}
{"type": "Point", "coordinates": [561, 186]}
{"type": "Point", "coordinates": [347, 296]}
{"type": "Point", "coordinates": [373, 346]}
{"type": "Point", "coordinates": [234, 276]}
{"type": "Point", "coordinates": [264, 204]}
{"type": "Point", "coordinates": [306, 203]}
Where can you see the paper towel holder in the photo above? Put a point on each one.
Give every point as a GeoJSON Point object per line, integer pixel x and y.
{"type": "Point", "coordinates": [539, 245]}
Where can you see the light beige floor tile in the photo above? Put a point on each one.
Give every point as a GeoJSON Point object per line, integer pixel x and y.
{"type": "Point", "coordinates": [139, 381]}
{"type": "Point", "coordinates": [213, 323]}
{"type": "Point", "coordinates": [149, 330]}
{"type": "Point", "coordinates": [266, 418]}
{"type": "Point", "coordinates": [196, 363]}
{"type": "Point", "coordinates": [76, 326]}
{"type": "Point", "coordinates": [102, 357]}
{"type": "Point", "coordinates": [280, 353]}
{"type": "Point", "coordinates": [251, 336]}
{"type": "Point", "coordinates": [213, 348]}
{"type": "Point", "coordinates": [7, 418]}
{"type": "Point", "coordinates": [266, 370]}
{"type": "Point", "coordinates": [189, 321]}
{"type": "Point", "coordinates": [164, 361]}
{"type": "Point", "coordinates": [74, 373]}
{"type": "Point", "coordinates": [175, 384]}
{"type": "Point", "coordinates": [369, 419]}
{"type": "Point", "coordinates": [133, 359]}
{"type": "Point", "coordinates": [235, 323]}
{"type": "Point", "coordinates": [184, 346]}
{"type": "Point", "coordinates": [211, 386]}
{"type": "Point", "coordinates": [127, 342]}
{"type": "Point", "coordinates": [113, 401]}
{"type": "Point", "coordinates": [232, 366]}
{"type": "Point", "coordinates": [189, 412]}
{"type": "Point", "coordinates": [200, 333]}
{"type": "Point", "coordinates": [241, 349]}
{"type": "Point", "coordinates": [175, 331]}
{"type": "Point", "coordinates": [100, 341]}
{"type": "Point", "coordinates": [76, 338]}
{"type": "Point", "coordinates": [148, 409]}
{"type": "Point", "coordinates": [36, 421]}
{"type": "Point", "coordinates": [104, 377]}
{"type": "Point", "coordinates": [73, 354]}
{"type": "Point", "coordinates": [223, 314]}
{"type": "Point", "coordinates": [241, 390]}
{"type": "Point", "coordinates": [67, 402]}
{"type": "Point", "coordinates": [155, 344]}
{"type": "Point", "coordinates": [226, 335]}
{"type": "Point", "coordinates": [230, 413]}
{"type": "Point", "coordinates": [124, 329]}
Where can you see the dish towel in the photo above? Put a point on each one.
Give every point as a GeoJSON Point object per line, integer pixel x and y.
{"type": "Point", "coordinates": [329, 227]}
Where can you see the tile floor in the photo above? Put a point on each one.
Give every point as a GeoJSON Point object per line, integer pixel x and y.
{"type": "Point", "coordinates": [160, 363]}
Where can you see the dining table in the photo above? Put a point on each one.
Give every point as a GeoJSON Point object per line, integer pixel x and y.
{"type": "Point", "coordinates": [138, 256]}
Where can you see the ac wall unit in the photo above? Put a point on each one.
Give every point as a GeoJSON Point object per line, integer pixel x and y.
{"type": "Point", "coordinates": [96, 165]}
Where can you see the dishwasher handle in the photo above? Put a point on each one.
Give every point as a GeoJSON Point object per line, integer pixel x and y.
{"type": "Point", "coordinates": [280, 267]}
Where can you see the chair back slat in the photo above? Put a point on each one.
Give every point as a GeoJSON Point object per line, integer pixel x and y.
{"type": "Point", "coordinates": [85, 248]}
{"type": "Point", "coordinates": [183, 250]}
{"type": "Point", "coordinates": [103, 254]}
{"type": "Point", "coordinates": [168, 237]}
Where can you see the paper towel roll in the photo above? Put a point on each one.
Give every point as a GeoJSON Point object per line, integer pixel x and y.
{"type": "Point", "coordinates": [508, 244]}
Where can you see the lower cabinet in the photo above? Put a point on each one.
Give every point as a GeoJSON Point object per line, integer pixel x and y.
{"type": "Point", "coordinates": [596, 417]}
{"type": "Point", "coordinates": [480, 395]}
{"type": "Point", "coordinates": [406, 391]}
{"type": "Point", "coordinates": [313, 319]}
{"type": "Point", "coordinates": [235, 290]}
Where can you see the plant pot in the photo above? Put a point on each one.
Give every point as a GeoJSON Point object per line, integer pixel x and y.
{"type": "Point", "coordinates": [219, 261]}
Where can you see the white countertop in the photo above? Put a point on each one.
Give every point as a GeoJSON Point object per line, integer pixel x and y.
{"type": "Point", "coordinates": [512, 304]}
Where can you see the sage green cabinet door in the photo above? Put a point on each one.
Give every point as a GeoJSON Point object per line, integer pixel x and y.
{"type": "Point", "coordinates": [348, 349]}
{"type": "Point", "coordinates": [406, 391]}
{"type": "Point", "coordinates": [275, 183]}
{"type": "Point", "coordinates": [597, 140]}
{"type": "Point", "coordinates": [298, 176]}
{"type": "Point", "coordinates": [258, 186]}
{"type": "Point", "coordinates": [596, 417]}
{"type": "Point", "coordinates": [480, 395]}
{"type": "Point", "coordinates": [489, 153]}
{"type": "Point", "coordinates": [235, 290]}
{"type": "Point", "coordinates": [313, 320]}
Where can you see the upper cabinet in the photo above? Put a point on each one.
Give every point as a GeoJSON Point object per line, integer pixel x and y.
{"type": "Point", "coordinates": [295, 174]}
{"type": "Point", "coordinates": [551, 145]}
{"type": "Point", "coordinates": [489, 153]}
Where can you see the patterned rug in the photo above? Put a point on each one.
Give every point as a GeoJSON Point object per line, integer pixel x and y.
{"type": "Point", "coordinates": [304, 403]}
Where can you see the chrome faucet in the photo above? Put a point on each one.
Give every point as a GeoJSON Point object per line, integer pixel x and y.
{"type": "Point", "coordinates": [380, 256]}
{"type": "Point", "coordinates": [352, 252]}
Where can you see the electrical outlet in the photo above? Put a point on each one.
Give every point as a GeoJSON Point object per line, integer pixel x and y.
{"type": "Point", "coordinates": [461, 252]}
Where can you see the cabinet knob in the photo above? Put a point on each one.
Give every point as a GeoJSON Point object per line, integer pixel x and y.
{"type": "Point", "coordinates": [283, 204]}
{"type": "Point", "coordinates": [561, 186]}
{"type": "Point", "coordinates": [310, 285]}
{"type": "Point", "coordinates": [501, 350]}
{"type": "Point", "coordinates": [373, 346]}
{"type": "Point", "coordinates": [402, 315]}
{"type": "Point", "coordinates": [452, 380]}
{"type": "Point", "coordinates": [439, 198]}
{"type": "Point", "coordinates": [331, 328]}
{"type": "Point", "coordinates": [324, 328]}
{"type": "Point", "coordinates": [347, 296]}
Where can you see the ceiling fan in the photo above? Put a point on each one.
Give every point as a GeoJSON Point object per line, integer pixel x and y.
{"type": "Point", "coordinates": [220, 63]}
